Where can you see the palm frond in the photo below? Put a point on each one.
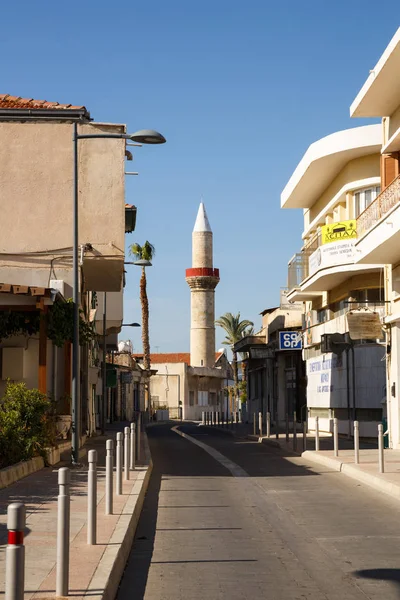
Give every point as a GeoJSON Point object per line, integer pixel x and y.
{"type": "Point", "coordinates": [145, 252]}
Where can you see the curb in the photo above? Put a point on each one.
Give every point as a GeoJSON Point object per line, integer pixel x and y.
{"type": "Point", "coordinates": [14, 473]}
{"type": "Point", "coordinates": [110, 569]}
{"type": "Point", "coordinates": [372, 481]}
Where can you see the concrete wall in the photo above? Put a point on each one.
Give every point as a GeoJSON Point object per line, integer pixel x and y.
{"type": "Point", "coordinates": [114, 312]}
{"type": "Point", "coordinates": [29, 365]}
{"type": "Point", "coordinates": [394, 124]}
{"type": "Point", "coordinates": [168, 385]}
{"type": "Point", "coordinates": [355, 171]}
{"type": "Point", "coordinates": [36, 183]}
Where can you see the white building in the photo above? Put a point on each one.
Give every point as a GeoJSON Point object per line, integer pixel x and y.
{"type": "Point", "coordinates": [379, 225]}
{"type": "Point", "coordinates": [333, 183]}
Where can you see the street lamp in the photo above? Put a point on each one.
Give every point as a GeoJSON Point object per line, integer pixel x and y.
{"type": "Point", "coordinates": [143, 136]}
{"type": "Point", "coordinates": [140, 263]}
{"type": "Point", "coordinates": [130, 325]}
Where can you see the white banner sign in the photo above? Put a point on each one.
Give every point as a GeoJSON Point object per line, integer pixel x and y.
{"type": "Point", "coordinates": [330, 255]}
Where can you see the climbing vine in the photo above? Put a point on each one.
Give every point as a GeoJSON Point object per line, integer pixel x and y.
{"type": "Point", "coordinates": [18, 323]}
{"type": "Point", "coordinates": [60, 324]}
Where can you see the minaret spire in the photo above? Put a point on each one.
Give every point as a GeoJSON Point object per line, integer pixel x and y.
{"type": "Point", "coordinates": [202, 279]}
{"type": "Point", "coordinates": [202, 222]}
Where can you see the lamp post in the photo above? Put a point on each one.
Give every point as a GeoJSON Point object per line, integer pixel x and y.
{"type": "Point", "coordinates": [144, 136]}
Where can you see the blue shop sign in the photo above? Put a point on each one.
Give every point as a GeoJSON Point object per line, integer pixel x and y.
{"type": "Point", "coordinates": [290, 340]}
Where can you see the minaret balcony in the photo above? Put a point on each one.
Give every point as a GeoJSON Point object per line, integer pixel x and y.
{"type": "Point", "coordinates": [202, 278]}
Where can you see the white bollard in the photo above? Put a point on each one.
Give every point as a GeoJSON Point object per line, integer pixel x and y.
{"type": "Point", "coordinates": [380, 448]}
{"type": "Point", "coordinates": [63, 529]}
{"type": "Point", "coordinates": [316, 434]}
{"type": "Point", "coordinates": [356, 443]}
{"type": "Point", "coordinates": [127, 444]}
{"type": "Point", "coordinates": [15, 552]}
{"type": "Point", "coordinates": [92, 498]}
{"type": "Point", "coordinates": [203, 418]}
{"type": "Point", "coordinates": [260, 424]}
{"type": "Point", "coordinates": [109, 476]}
{"type": "Point", "coordinates": [133, 446]}
{"type": "Point", "coordinates": [268, 424]}
{"type": "Point", "coordinates": [119, 458]}
{"type": "Point", "coordinates": [335, 437]}
{"type": "Point", "coordinates": [254, 424]}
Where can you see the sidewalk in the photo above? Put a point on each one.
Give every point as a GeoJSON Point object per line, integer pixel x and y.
{"type": "Point", "coordinates": [367, 471]}
{"type": "Point", "coordinates": [95, 571]}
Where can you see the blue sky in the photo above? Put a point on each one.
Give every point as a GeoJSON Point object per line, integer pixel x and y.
{"type": "Point", "coordinates": [239, 89]}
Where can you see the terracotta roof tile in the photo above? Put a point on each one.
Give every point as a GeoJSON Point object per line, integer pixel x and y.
{"type": "Point", "coordinates": [7, 101]}
{"type": "Point", "coordinates": [171, 357]}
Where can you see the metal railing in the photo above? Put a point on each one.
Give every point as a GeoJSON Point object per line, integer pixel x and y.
{"type": "Point", "coordinates": [298, 267]}
{"type": "Point", "coordinates": [379, 207]}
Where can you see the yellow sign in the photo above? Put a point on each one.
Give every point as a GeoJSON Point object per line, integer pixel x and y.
{"type": "Point", "coordinates": [338, 232]}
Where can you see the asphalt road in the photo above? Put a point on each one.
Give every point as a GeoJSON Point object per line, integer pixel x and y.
{"type": "Point", "coordinates": [287, 531]}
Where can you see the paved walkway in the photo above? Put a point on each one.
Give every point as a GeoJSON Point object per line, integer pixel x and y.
{"type": "Point", "coordinates": [39, 493]}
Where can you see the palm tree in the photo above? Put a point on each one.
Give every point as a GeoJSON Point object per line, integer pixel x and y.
{"type": "Point", "coordinates": [145, 252]}
{"type": "Point", "coordinates": [235, 330]}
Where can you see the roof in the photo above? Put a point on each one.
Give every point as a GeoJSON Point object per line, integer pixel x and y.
{"type": "Point", "coordinates": [269, 310]}
{"type": "Point", "coordinates": [202, 222]}
{"type": "Point", "coordinates": [379, 96]}
{"type": "Point", "coordinates": [7, 101]}
{"type": "Point", "coordinates": [324, 160]}
{"type": "Point", "coordinates": [172, 357]}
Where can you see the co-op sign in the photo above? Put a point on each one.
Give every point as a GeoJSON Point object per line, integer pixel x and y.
{"type": "Point", "coordinates": [290, 340]}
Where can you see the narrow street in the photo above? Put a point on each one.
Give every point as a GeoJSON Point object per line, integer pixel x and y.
{"type": "Point", "coordinates": [288, 530]}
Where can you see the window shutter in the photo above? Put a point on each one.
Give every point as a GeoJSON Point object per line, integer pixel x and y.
{"type": "Point", "coordinates": [390, 169]}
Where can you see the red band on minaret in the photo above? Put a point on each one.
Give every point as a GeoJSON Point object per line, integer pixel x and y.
{"type": "Point", "coordinates": [202, 272]}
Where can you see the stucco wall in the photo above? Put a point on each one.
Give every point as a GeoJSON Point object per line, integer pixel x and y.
{"type": "Point", "coordinates": [36, 196]}
{"type": "Point", "coordinates": [355, 171]}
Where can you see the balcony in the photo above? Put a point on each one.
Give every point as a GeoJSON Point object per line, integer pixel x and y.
{"type": "Point", "coordinates": [379, 207]}
{"type": "Point", "coordinates": [378, 228]}
{"type": "Point", "coordinates": [299, 265]}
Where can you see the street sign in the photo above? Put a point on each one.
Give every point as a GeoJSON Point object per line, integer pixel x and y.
{"type": "Point", "coordinates": [290, 340]}
{"type": "Point", "coordinates": [262, 352]}
{"type": "Point", "coordinates": [126, 377]}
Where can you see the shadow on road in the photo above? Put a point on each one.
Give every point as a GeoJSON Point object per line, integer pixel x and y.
{"type": "Point", "coordinates": [392, 575]}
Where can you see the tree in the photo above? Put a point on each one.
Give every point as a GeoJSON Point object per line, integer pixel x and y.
{"type": "Point", "coordinates": [235, 330]}
{"type": "Point", "coordinates": [145, 252]}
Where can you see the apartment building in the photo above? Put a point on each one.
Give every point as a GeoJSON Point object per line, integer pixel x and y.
{"type": "Point", "coordinates": [378, 226]}
{"type": "Point", "coordinates": [36, 196]}
{"type": "Point", "coordinates": [343, 342]}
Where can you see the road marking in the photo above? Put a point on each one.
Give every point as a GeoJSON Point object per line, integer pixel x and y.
{"type": "Point", "coordinates": [223, 460]}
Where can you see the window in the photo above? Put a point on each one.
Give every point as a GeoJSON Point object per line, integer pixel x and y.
{"type": "Point", "coordinates": [213, 398]}
{"type": "Point", "coordinates": [191, 398]}
{"type": "Point", "coordinates": [203, 398]}
{"type": "Point", "coordinates": [363, 198]}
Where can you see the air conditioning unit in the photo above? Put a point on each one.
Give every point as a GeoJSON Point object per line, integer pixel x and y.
{"type": "Point", "coordinates": [58, 284]}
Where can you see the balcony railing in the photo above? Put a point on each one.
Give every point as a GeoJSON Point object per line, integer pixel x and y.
{"type": "Point", "coordinates": [298, 269]}
{"type": "Point", "coordinates": [379, 207]}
